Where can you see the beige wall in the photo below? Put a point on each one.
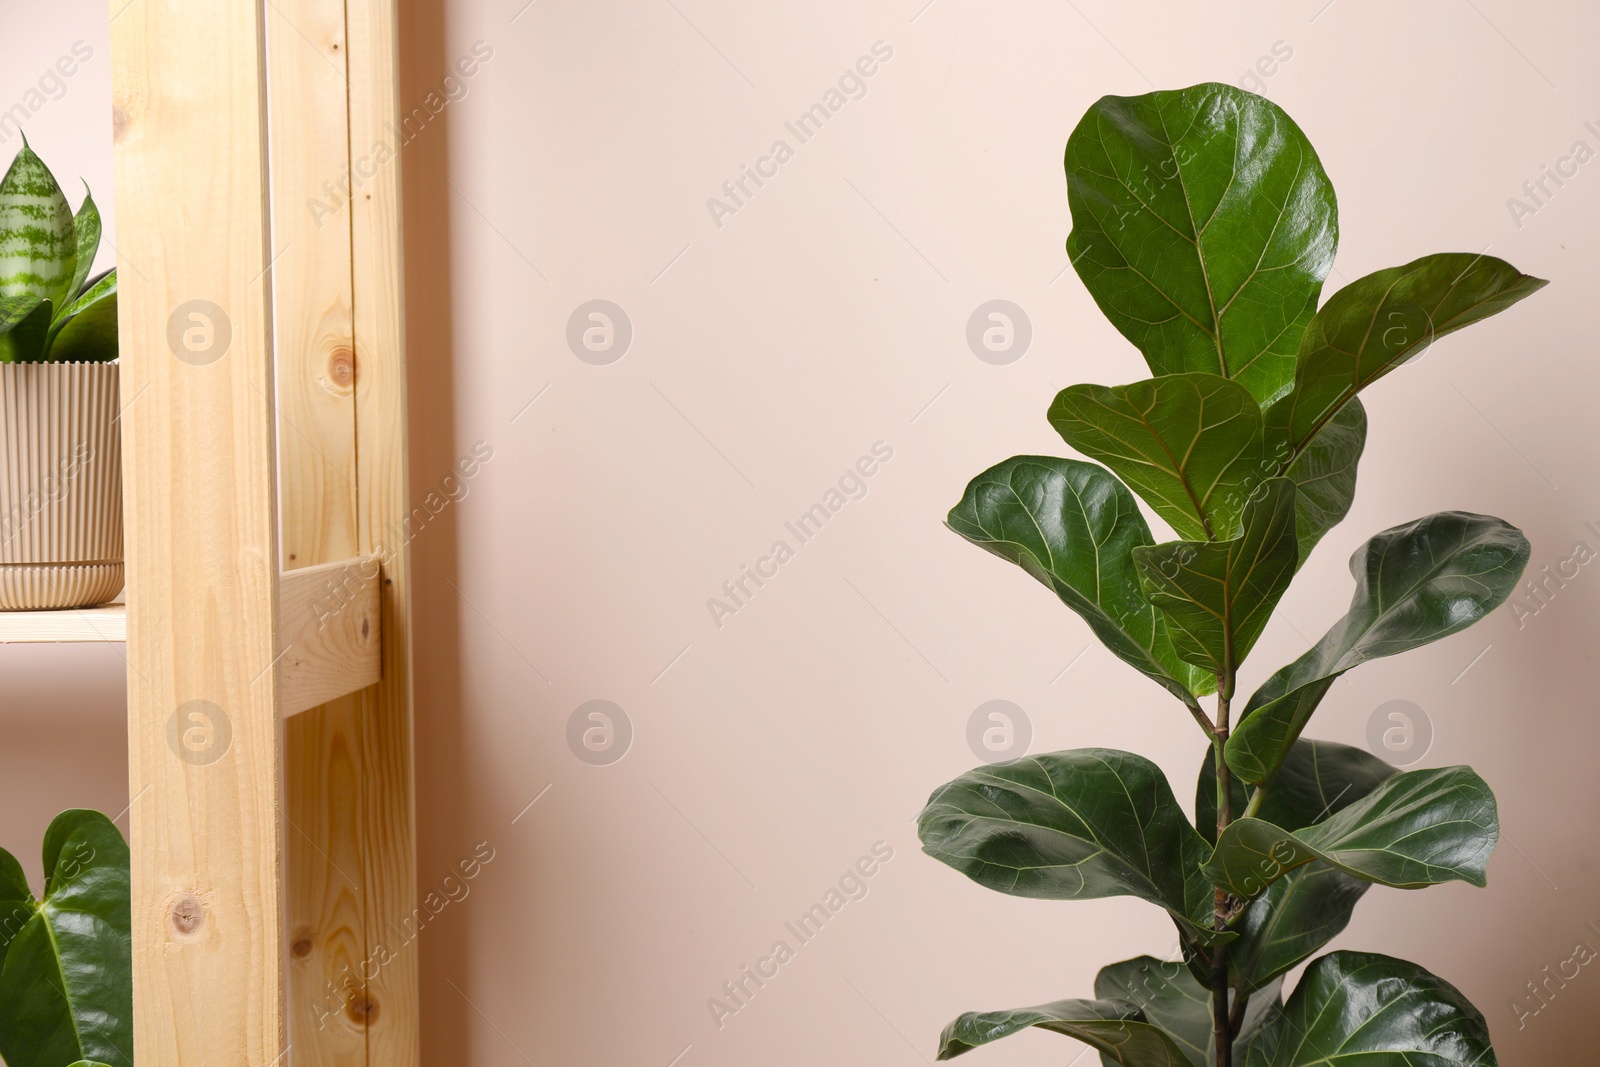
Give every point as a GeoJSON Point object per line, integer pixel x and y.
{"type": "Point", "coordinates": [771, 352]}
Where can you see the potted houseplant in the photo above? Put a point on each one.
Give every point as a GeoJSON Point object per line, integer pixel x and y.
{"type": "Point", "coordinates": [60, 450]}
{"type": "Point", "coordinates": [1203, 226]}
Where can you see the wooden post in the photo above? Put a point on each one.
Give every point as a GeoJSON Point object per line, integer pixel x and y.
{"type": "Point", "coordinates": [273, 853]}
{"type": "Point", "coordinates": [326, 906]}
{"type": "Point", "coordinates": [204, 736]}
{"type": "Point", "coordinates": [384, 515]}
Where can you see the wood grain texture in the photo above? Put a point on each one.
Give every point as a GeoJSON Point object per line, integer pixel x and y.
{"type": "Point", "coordinates": [389, 812]}
{"type": "Point", "coordinates": [329, 626]}
{"type": "Point", "coordinates": [108, 622]}
{"type": "Point", "coordinates": [201, 550]}
{"type": "Point", "coordinates": [328, 615]}
{"type": "Point", "coordinates": [310, 160]}
{"type": "Point", "coordinates": [327, 939]}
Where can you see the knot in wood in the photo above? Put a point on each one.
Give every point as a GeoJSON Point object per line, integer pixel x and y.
{"type": "Point", "coordinates": [188, 915]}
{"type": "Point", "coordinates": [342, 367]}
{"type": "Point", "coordinates": [361, 1009]}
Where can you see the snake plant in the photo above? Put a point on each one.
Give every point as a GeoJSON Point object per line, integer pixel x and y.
{"type": "Point", "coordinates": [1203, 225]}
{"type": "Point", "coordinates": [50, 309]}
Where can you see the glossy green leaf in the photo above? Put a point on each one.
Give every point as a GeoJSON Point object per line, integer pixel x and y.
{"type": "Point", "coordinates": [1203, 225]}
{"type": "Point", "coordinates": [1073, 825]}
{"type": "Point", "coordinates": [1324, 476]}
{"type": "Point", "coordinates": [1317, 779]}
{"type": "Point", "coordinates": [1217, 596]}
{"type": "Point", "coordinates": [1114, 1028]}
{"type": "Point", "coordinates": [1415, 584]}
{"type": "Point", "coordinates": [66, 980]}
{"type": "Point", "coordinates": [1263, 1044]}
{"type": "Point", "coordinates": [38, 241]}
{"type": "Point", "coordinates": [16, 902]}
{"type": "Point", "coordinates": [1378, 322]}
{"type": "Point", "coordinates": [24, 326]}
{"type": "Point", "coordinates": [1296, 916]}
{"type": "Point", "coordinates": [1169, 997]}
{"type": "Point", "coordinates": [87, 332]}
{"type": "Point", "coordinates": [1365, 1010]}
{"type": "Point", "coordinates": [1073, 526]}
{"type": "Point", "coordinates": [1189, 444]}
{"type": "Point", "coordinates": [1311, 905]}
{"type": "Point", "coordinates": [1417, 829]}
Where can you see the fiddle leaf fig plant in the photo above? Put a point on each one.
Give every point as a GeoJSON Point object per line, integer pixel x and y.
{"type": "Point", "coordinates": [50, 309]}
{"type": "Point", "coordinates": [66, 958]}
{"type": "Point", "coordinates": [1204, 225]}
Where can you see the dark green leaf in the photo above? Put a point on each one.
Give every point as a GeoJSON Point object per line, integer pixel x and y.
{"type": "Point", "coordinates": [16, 902]}
{"type": "Point", "coordinates": [1318, 778]}
{"type": "Point", "coordinates": [1203, 225]}
{"type": "Point", "coordinates": [1168, 997]}
{"type": "Point", "coordinates": [1311, 905]}
{"type": "Point", "coordinates": [1190, 444]}
{"type": "Point", "coordinates": [87, 333]}
{"type": "Point", "coordinates": [1376, 323]}
{"type": "Point", "coordinates": [1073, 526]}
{"type": "Point", "coordinates": [1263, 1044]}
{"type": "Point", "coordinates": [38, 243]}
{"type": "Point", "coordinates": [1073, 825]}
{"type": "Point", "coordinates": [1360, 1008]}
{"type": "Point", "coordinates": [1324, 476]}
{"type": "Point", "coordinates": [1217, 596]}
{"type": "Point", "coordinates": [1297, 915]}
{"type": "Point", "coordinates": [66, 984]}
{"type": "Point", "coordinates": [1417, 829]}
{"type": "Point", "coordinates": [24, 326]}
{"type": "Point", "coordinates": [1414, 584]}
{"type": "Point", "coordinates": [1112, 1027]}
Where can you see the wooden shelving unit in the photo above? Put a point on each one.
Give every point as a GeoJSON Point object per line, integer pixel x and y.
{"type": "Point", "coordinates": [265, 495]}
{"type": "Point", "coordinates": [268, 618]}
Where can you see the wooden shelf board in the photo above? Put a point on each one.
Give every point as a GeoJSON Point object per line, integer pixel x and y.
{"type": "Point", "coordinates": [108, 622]}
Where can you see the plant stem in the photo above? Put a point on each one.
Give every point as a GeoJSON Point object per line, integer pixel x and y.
{"type": "Point", "coordinates": [1254, 806]}
{"type": "Point", "coordinates": [1204, 720]}
{"type": "Point", "coordinates": [1236, 1017]}
{"type": "Point", "coordinates": [1222, 1023]}
{"type": "Point", "coordinates": [1224, 776]}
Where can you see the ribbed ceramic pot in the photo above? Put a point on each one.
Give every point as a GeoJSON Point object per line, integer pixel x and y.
{"type": "Point", "coordinates": [60, 485]}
